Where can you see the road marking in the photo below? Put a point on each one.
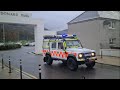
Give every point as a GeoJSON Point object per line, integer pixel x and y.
{"type": "Point", "coordinates": [34, 53]}
{"type": "Point", "coordinates": [19, 71]}
{"type": "Point", "coordinates": [27, 74]}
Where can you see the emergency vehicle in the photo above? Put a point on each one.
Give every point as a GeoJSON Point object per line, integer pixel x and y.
{"type": "Point", "coordinates": [69, 50]}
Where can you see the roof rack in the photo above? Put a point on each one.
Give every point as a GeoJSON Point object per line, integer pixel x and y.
{"type": "Point", "coordinates": [52, 37]}
{"type": "Point", "coordinates": [57, 36]}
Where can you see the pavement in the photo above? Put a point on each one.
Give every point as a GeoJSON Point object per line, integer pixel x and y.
{"type": "Point", "coordinates": [57, 70]}
{"type": "Point", "coordinates": [15, 73]}
{"type": "Point", "coordinates": [109, 60]}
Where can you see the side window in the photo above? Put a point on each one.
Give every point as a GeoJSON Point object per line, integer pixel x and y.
{"type": "Point", "coordinates": [53, 45]}
{"type": "Point", "coordinates": [45, 45]}
{"type": "Point", "coordinates": [60, 45]}
{"type": "Point", "coordinates": [112, 24]}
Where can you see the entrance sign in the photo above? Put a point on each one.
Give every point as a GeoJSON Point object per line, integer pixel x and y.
{"type": "Point", "coordinates": [25, 18]}
{"type": "Point", "coordinates": [15, 14]}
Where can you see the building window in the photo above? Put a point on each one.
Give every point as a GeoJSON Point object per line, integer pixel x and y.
{"type": "Point", "coordinates": [112, 40]}
{"type": "Point", "coordinates": [111, 25]}
{"type": "Point", "coordinates": [54, 45]}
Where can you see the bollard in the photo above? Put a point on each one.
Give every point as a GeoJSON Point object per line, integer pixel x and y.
{"type": "Point", "coordinates": [2, 62]}
{"type": "Point", "coordinates": [9, 65]}
{"type": "Point", "coordinates": [20, 69]}
{"type": "Point", "coordinates": [101, 53]}
{"type": "Point", "coordinates": [83, 77]}
{"type": "Point", "coordinates": [39, 71]}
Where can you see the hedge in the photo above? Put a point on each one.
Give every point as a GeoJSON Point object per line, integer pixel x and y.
{"type": "Point", "coordinates": [9, 46]}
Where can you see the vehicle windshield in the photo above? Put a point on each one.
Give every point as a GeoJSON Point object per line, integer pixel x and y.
{"type": "Point", "coordinates": [73, 44]}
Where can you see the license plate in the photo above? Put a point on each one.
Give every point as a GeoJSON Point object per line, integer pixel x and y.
{"type": "Point", "coordinates": [87, 54]}
{"type": "Point", "coordinates": [90, 59]}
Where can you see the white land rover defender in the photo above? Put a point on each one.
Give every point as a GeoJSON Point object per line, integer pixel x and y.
{"type": "Point", "coordinates": [68, 49]}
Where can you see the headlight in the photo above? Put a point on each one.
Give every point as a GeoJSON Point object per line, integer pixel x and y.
{"type": "Point", "coordinates": [80, 55]}
{"type": "Point", "coordinates": [92, 54]}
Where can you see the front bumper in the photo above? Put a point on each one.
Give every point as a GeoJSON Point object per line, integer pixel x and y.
{"type": "Point", "coordinates": [91, 58]}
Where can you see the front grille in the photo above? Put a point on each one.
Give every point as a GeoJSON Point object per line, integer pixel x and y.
{"type": "Point", "coordinates": [87, 54]}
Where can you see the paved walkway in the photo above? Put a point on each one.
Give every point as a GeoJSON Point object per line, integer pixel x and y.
{"type": "Point", "coordinates": [4, 74]}
{"type": "Point", "coordinates": [109, 60]}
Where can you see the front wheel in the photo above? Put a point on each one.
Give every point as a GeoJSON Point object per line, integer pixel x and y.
{"type": "Point", "coordinates": [64, 62]}
{"type": "Point", "coordinates": [49, 60]}
{"type": "Point", "coordinates": [90, 64]}
{"type": "Point", "coordinates": [72, 64]}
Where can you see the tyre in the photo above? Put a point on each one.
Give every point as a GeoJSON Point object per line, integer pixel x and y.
{"type": "Point", "coordinates": [90, 64]}
{"type": "Point", "coordinates": [44, 59]}
{"type": "Point", "coordinates": [64, 62]}
{"type": "Point", "coordinates": [49, 60]}
{"type": "Point", "coordinates": [72, 64]}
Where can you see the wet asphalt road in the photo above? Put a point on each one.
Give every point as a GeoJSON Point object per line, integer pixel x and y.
{"type": "Point", "coordinates": [30, 64]}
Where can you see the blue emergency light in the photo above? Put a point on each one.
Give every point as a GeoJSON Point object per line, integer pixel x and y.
{"type": "Point", "coordinates": [74, 35]}
{"type": "Point", "coordinates": [64, 35]}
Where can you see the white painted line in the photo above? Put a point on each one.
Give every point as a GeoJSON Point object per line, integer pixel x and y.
{"type": "Point", "coordinates": [27, 74]}
{"type": "Point", "coordinates": [23, 74]}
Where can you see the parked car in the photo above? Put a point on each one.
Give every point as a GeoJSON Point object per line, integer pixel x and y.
{"type": "Point", "coordinates": [19, 43]}
{"type": "Point", "coordinates": [32, 44]}
{"type": "Point", "coordinates": [26, 44]}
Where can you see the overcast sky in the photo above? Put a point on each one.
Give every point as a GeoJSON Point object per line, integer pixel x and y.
{"type": "Point", "coordinates": [56, 20]}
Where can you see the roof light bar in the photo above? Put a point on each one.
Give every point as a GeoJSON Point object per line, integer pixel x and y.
{"type": "Point", "coordinates": [74, 35]}
{"type": "Point", "coordinates": [64, 35]}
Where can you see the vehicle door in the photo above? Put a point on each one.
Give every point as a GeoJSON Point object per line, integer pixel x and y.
{"type": "Point", "coordinates": [45, 47]}
{"type": "Point", "coordinates": [60, 50]}
{"type": "Point", "coordinates": [53, 48]}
